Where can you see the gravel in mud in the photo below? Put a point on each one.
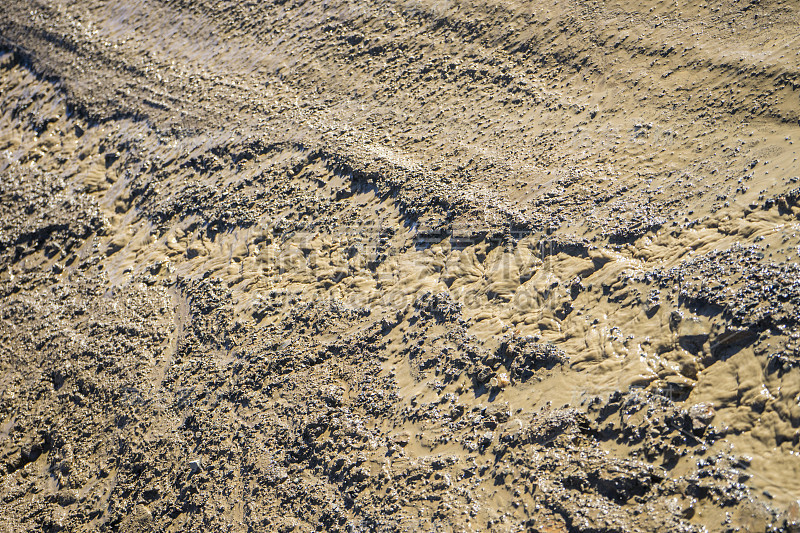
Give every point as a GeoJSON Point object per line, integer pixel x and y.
{"type": "Point", "coordinates": [402, 266]}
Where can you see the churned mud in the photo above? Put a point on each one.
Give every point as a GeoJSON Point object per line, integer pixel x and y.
{"type": "Point", "coordinates": [400, 266]}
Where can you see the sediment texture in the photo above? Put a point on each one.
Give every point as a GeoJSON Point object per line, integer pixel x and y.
{"type": "Point", "coordinates": [400, 266]}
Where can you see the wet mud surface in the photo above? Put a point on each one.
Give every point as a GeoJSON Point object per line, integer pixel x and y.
{"type": "Point", "coordinates": [405, 266]}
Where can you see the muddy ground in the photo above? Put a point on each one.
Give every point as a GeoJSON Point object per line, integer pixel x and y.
{"type": "Point", "coordinates": [424, 265]}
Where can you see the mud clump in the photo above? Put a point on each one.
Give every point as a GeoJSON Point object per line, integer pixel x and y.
{"type": "Point", "coordinates": [523, 356]}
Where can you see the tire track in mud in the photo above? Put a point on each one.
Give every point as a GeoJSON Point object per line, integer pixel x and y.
{"type": "Point", "coordinates": [221, 63]}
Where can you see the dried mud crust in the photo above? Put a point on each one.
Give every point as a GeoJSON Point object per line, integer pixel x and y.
{"type": "Point", "coordinates": [341, 319]}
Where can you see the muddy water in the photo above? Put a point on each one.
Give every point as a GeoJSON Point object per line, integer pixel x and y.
{"type": "Point", "coordinates": [564, 306]}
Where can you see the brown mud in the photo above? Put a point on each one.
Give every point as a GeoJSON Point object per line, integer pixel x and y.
{"type": "Point", "coordinates": [423, 265]}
